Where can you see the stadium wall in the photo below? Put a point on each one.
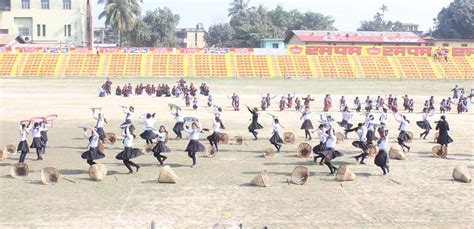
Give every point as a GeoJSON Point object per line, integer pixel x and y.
{"type": "Point", "coordinates": [295, 61]}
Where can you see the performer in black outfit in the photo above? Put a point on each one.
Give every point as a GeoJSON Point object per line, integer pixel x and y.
{"type": "Point", "coordinates": [93, 153]}
{"type": "Point", "coordinates": [425, 124]}
{"type": "Point", "coordinates": [254, 125]}
{"type": "Point", "coordinates": [37, 143]}
{"type": "Point", "coordinates": [307, 125]}
{"type": "Point", "coordinates": [444, 139]}
{"type": "Point", "coordinates": [318, 149]}
{"type": "Point", "coordinates": [276, 139]}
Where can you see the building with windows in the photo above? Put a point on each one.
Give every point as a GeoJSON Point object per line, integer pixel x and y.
{"type": "Point", "coordinates": [191, 37]}
{"type": "Point", "coordinates": [46, 21]}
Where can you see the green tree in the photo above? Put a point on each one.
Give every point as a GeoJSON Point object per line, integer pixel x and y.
{"type": "Point", "coordinates": [121, 15]}
{"type": "Point", "coordinates": [455, 21]}
{"type": "Point", "coordinates": [156, 29]}
{"type": "Point", "coordinates": [251, 26]}
{"type": "Point", "coordinates": [378, 24]}
{"type": "Point", "coordinates": [238, 6]}
{"type": "Point", "coordinates": [220, 35]}
{"type": "Point", "coordinates": [384, 9]}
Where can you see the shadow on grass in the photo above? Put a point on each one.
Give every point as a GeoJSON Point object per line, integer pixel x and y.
{"type": "Point", "coordinates": [72, 171]}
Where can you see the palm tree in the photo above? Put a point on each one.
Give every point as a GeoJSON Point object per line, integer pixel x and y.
{"type": "Point", "coordinates": [120, 15]}
{"type": "Point", "coordinates": [384, 9]}
{"type": "Point", "coordinates": [237, 6]}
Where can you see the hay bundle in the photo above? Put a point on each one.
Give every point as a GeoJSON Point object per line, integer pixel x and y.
{"type": "Point", "coordinates": [439, 151]}
{"type": "Point", "coordinates": [304, 150]}
{"type": "Point", "coordinates": [300, 175]}
{"type": "Point", "coordinates": [10, 148]}
{"type": "Point", "coordinates": [344, 174]}
{"type": "Point", "coordinates": [3, 154]}
{"type": "Point", "coordinates": [411, 136]}
{"type": "Point", "coordinates": [339, 138]}
{"type": "Point", "coordinates": [238, 140]}
{"type": "Point", "coordinates": [19, 170]}
{"type": "Point", "coordinates": [167, 175]}
{"type": "Point", "coordinates": [372, 151]}
{"type": "Point", "coordinates": [462, 173]}
{"type": "Point", "coordinates": [223, 138]}
{"type": "Point", "coordinates": [97, 172]}
{"type": "Point", "coordinates": [289, 137]}
{"type": "Point", "coordinates": [211, 152]}
{"type": "Point", "coordinates": [110, 138]}
{"type": "Point", "coordinates": [147, 148]}
{"type": "Point", "coordinates": [396, 153]}
{"type": "Point", "coordinates": [268, 153]}
{"type": "Point", "coordinates": [436, 136]}
{"type": "Point", "coordinates": [262, 180]}
{"type": "Point", "coordinates": [49, 175]}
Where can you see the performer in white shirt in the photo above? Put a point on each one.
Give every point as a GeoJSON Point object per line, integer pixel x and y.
{"type": "Point", "coordinates": [381, 160]}
{"type": "Point", "coordinates": [318, 149]}
{"type": "Point", "coordinates": [160, 146]}
{"type": "Point", "coordinates": [129, 152]}
{"type": "Point", "coordinates": [44, 134]}
{"type": "Point", "coordinates": [214, 137]}
{"type": "Point", "coordinates": [331, 152]}
{"type": "Point", "coordinates": [276, 139]}
{"type": "Point", "coordinates": [37, 143]}
{"type": "Point", "coordinates": [194, 145]}
{"type": "Point", "coordinates": [129, 113]}
{"type": "Point", "coordinates": [179, 125]}
{"type": "Point", "coordinates": [23, 144]}
{"type": "Point", "coordinates": [403, 135]}
{"type": "Point", "coordinates": [361, 143]}
{"type": "Point", "coordinates": [94, 152]}
{"type": "Point", "coordinates": [425, 123]}
{"type": "Point", "coordinates": [148, 121]}
{"type": "Point", "coordinates": [307, 125]}
{"type": "Point", "coordinates": [99, 124]}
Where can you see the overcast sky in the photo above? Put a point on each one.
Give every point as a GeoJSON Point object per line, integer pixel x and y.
{"type": "Point", "coordinates": [348, 13]}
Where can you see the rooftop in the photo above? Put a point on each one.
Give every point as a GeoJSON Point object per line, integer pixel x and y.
{"type": "Point", "coordinates": [354, 37]}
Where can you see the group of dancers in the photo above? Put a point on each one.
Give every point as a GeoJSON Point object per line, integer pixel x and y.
{"type": "Point", "coordinates": [326, 149]}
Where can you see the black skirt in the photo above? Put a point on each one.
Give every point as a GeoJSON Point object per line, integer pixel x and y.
{"type": "Point", "coordinates": [23, 147]}
{"type": "Point", "coordinates": [101, 133]}
{"type": "Point", "coordinates": [179, 126]}
{"type": "Point", "coordinates": [345, 124]}
{"type": "Point", "coordinates": [381, 159]}
{"type": "Point", "coordinates": [214, 137]}
{"type": "Point", "coordinates": [403, 136]}
{"type": "Point", "coordinates": [195, 146]}
{"type": "Point", "coordinates": [148, 134]}
{"type": "Point", "coordinates": [444, 139]}
{"type": "Point", "coordinates": [330, 153]}
{"type": "Point", "coordinates": [360, 144]}
{"type": "Point", "coordinates": [370, 135]}
{"type": "Point", "coordinates": [307, 125]}
{"type": "Point", "coordinates": [425, 125]}
{"type": "Point", "coordinates": [93, 154]}
{"type": "Point", "coordinates": [44, 136]}
{"type": "Point", "coordinates": [319, 148]}
{"type": "Point", "coordinates": [37, 143]}
{"type": "Point", "coordinates": [160, 147]}
{"type": "Point", "coordinates": [255, 126]}
{"type": "Point", "coordinates": [276, 139]}
{"type": "Point", "coordinates": [128, 153]}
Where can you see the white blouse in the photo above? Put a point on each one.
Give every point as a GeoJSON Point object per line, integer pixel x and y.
{"type": "Point", "coordinates": [193, 133]}
{"type": "Point", "coordinates": [148, 123]}
{"type": "Point", "coordinates": [128, 138]}
{"type": "Point", "coordinates": [322, 135]}
{"type": "Point", "coordinates": [36, 132]}
{"type": "Point", "coordinates": [161, 136]}
{"type": "Point", "coordinates": [178, 116]}
{"type": "Point", "coordinates": [403, 123]}
{"type": "Point", "coordinates": [382, 144]}
{"type": "Point", "coordinates": [100, 121]}
{"type": "Point", "coordinates": [362, 133]}
{"type": "Point", "coordinates": [23, 134]}
{"type": "Point", "coordinates": [306, 115]}
{"type": "Point", "coordinates": [331, 142]}
{"type": "Point", "coordinates": [94, 142]}
{"type": "Point", "coordinates": [216, 126]}
{"type": "Point", "coordinates": [276, 127]}
{"type": "Point", "coordinates": [346, 115]}
{"type": "Point", "coordinates": [128, 115]}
